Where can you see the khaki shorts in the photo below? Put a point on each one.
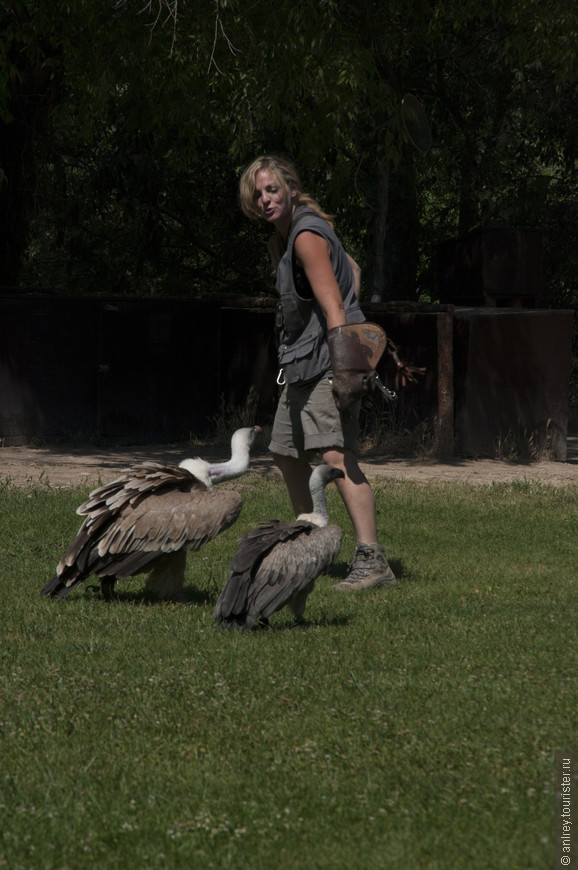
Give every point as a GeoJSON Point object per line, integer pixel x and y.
{"type": "Point", "coordinates": [308, 421]}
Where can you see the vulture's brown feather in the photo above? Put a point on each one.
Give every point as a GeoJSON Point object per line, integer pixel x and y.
{"type": "Point", "coordinates": [148, 518]}
{"type": "Point", "coordinates": [277, 563]}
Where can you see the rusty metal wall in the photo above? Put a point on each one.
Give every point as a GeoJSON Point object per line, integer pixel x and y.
{"type": "Point", "coordinates": [249, 360]}
{"type": "Point", "coordinates": [122, 369]}
{"type": "Point", "coordinates": [107, 368]}
{"type": "Point", "coordinates": [414, 332]}
{"type": "Point", "coordinates": [512, 378]}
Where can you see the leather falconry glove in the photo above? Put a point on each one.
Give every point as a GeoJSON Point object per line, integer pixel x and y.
{"type": "Point", "coordinates": [355, 350]}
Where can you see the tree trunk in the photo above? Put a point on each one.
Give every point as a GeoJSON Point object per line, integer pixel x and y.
{"type": "Point", "coordinates": [379, 271]}
{"type": "Point", "coordinates": [16, 199]}
{"type": "Point", "coordinates": [21, 141]}
{"type": "Point", "coordinates": [402, 241]}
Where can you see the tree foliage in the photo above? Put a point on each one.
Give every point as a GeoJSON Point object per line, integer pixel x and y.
{"type": "Point", "coordinates": [123, 130]}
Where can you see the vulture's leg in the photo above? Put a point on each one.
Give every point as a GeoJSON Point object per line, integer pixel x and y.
{"type": "Point", "coordinates": [107, 586]}
{"type": "Point", "coordinates": [298, 602]}
{"type": "Point", "coordinates": [167, 578]}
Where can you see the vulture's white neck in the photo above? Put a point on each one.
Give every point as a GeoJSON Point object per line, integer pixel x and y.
{"type": "Point", "coordinates": [319, 479]}
{"type": "Point", "coordinates": [235, 466]}
{"type": "Point", "coordinates": [239, 461]}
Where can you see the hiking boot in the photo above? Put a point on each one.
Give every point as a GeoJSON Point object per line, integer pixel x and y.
{"type": "Point", "coordinates": [368, 569]}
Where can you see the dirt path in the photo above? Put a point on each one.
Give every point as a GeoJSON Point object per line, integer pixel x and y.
{"type": "Point", "coordinates": [65, 467]}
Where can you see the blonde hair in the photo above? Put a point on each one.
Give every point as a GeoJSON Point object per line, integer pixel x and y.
{"type": "Point", "coordinates": [285, 174]}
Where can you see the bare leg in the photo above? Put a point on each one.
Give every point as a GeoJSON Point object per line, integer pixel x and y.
{"type": "Point", "coordinates": [296, 473]}
{"type": "Point", "coordinates": [369, 568]}
{"type": "Point", "coordinates": [356, 493]}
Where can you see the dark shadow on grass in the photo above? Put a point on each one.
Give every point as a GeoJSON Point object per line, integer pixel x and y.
{"type": "Point", "coordinates": [338, 571]}
{"type": "Point", "coordinates": [139, 597]}
{"type": "Point", "coordinates": [322, 622]}
{"type": "Point", "coordinates": [397, 568]}
{"type": "Point", "coordinates": [265, 626]}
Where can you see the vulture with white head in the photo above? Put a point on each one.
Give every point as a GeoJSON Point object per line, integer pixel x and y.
{"type": "Point", "coordinates": [277, 563]}
{"type": "Point", "coordinates": [146, 520]}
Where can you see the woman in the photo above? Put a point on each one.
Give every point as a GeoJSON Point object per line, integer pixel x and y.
{"type": "Point", "coordinates": [318, 285]}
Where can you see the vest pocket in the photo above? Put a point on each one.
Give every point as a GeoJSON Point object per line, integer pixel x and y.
{"type": "Point", "coordinates": [304, 360]}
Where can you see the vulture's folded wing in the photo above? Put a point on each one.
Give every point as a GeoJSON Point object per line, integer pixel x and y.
{"type": "Point", "coordinates": [130, 541]}
{"type": "Point", "coordinates": [171, 521]}
{"type": "Point", "coordinates": [274, 562]}
{"type": "Point", "coordinates": [135, 484]}
{"type": "Point", "coordinates": [291, 567]}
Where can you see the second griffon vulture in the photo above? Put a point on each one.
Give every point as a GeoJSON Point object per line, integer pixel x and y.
{"type": "Point", "coordinates": [277, 563]}
{"type": "Point", "coordinates": [147, 520]}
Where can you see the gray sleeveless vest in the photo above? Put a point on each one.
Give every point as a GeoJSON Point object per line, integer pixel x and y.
{"type": "Point", "coordinates": [303, 350]}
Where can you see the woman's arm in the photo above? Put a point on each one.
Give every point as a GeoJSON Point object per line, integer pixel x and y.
{"type": "Point", "coordinates": [312, 252]}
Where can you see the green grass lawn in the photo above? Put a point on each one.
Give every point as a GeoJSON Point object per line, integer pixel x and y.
{"type": "Point", "coordinates": [407, 728]}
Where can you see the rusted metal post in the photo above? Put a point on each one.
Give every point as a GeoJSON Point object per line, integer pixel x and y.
{"type": "Point", "coordinates": [445, 357]}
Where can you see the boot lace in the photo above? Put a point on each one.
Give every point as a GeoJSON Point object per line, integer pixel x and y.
{"type": "Point", "coordinates": [361, 564]}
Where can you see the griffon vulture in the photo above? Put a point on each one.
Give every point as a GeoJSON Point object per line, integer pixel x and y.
{"type": "Point", "coordinates": [277, 563]}
{"type": "Point", "coordinates": [145, 522]}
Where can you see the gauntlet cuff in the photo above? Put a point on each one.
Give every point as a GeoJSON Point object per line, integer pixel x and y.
{"type": "Point", "coordinates": [355, 350]}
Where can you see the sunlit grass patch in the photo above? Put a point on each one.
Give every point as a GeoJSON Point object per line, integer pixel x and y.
{"type": "Point", "coordinates": [412, 727]}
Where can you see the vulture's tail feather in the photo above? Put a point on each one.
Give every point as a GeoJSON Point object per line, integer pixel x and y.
{"type": "Point", "coordinates": [51, 586]}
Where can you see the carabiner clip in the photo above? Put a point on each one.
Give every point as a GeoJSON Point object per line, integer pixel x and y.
{"type": "Point", "coordinates": [281, 378]}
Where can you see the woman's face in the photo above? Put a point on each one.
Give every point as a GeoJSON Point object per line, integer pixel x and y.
{"type": "Point", "coordinates": [275, 203]}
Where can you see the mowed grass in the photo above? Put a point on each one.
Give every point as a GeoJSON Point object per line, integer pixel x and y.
{"type": "Point", "coordinates": [412, 727]}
